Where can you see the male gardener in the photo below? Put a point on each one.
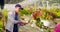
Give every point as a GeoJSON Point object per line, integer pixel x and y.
{"type": "Point", "coordinates": [13, 20]}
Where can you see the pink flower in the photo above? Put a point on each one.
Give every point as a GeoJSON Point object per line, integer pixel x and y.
{"type": "Point", "coordinates": [57, 28]}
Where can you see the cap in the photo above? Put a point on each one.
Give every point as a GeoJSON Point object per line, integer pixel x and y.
{"type": "Point", "coordinates": [18, 5]}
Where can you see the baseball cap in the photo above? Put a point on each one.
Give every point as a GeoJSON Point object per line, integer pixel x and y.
{"type": "Point", "coordinates": [18, 5]}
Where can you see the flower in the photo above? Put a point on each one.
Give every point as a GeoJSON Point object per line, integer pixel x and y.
{"type": "Point", "coordinates": [57, 28]}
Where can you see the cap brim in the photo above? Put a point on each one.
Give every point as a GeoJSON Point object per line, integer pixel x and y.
{"type": "Point", "coordinates": [21, 8]}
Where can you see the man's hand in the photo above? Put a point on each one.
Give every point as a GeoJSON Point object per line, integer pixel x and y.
{"type": "Point", "coordinates": [23, 22]}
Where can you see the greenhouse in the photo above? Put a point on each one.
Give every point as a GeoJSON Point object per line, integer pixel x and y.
{"type": "Point", "coordinates": [34, 15]}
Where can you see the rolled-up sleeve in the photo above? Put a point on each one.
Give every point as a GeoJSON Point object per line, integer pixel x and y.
{"type": "Point", "coordinates": [11, 18]}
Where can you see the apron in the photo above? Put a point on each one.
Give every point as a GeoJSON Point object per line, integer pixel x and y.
{"type": "Point", "coordinates": [15, 28]}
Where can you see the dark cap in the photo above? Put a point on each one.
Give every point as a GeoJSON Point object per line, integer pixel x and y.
{"type": "Point", "coordinates": [18, 5]}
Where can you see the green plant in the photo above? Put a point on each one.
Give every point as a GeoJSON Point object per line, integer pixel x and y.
{"type": "Point", "coordinates": [55, 10]}
{"type": "Point", "coordinates": [5, 12]}
{"type": "Point", "coordinates": [1, 25]}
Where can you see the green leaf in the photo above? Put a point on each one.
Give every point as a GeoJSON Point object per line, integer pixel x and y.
{"type": "Point", "coordinates": [1, 24]}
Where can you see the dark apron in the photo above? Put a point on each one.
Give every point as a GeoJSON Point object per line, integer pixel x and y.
{"type": "Point", "coordinates": [15, 28]}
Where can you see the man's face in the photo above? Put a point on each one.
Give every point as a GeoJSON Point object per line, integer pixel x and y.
{"type": "Point", "coordinates": [17, 9]}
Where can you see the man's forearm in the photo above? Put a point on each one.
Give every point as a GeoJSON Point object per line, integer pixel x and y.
{"type": "Point", "coordinates": [22, 22]}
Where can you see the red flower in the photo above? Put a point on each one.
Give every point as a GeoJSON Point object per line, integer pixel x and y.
{"type": "Point", "coordinates": [35, 14]}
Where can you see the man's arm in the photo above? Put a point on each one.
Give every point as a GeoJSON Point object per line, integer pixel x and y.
{"type": "Point", "coordinates": [11, 18]}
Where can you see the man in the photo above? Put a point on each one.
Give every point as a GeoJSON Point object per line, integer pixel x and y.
{"type": "Point", "coordinates": [13, 20]}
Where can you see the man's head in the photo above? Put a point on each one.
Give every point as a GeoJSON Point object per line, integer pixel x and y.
{"type": "Point", "coordinates": [18, 7]}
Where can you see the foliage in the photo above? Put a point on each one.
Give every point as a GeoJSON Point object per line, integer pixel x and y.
{"type": "Point", "coordinates": [1, 24]}
{"type": "Point", "coordinates": [55, 10]}
{"type": "Point", "coordinates": [26, 11]}
{"type": "Point", "coordinates": [38, 22]}
{"type": "Point", "coordinates": [44, 14]}
{"type": "Point", "coordinates": [5, 12]}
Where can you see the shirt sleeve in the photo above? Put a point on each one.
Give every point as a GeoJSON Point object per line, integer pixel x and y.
{"type": "Point", "coordinates": [11, 18]}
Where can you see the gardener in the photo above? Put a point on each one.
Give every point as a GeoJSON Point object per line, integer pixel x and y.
{"type": "Point", "coordinates": [13, 20]}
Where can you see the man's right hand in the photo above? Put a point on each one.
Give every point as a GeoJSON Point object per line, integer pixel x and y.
{"type": "Point", "coordinates": [23, 22]}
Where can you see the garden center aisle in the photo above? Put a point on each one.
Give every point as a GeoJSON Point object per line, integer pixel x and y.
{"type": "Point", "coordinates": [28, 28]}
